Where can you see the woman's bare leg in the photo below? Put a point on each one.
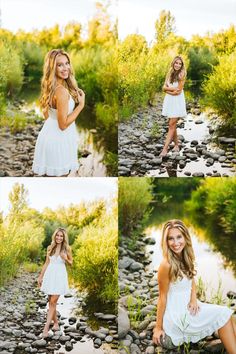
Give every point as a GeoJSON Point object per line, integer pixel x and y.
{"type": "Point", "coordinates": [55, 320]}
{"type": "Point", "coordinates": [170, 135]}
{"type": "Point", "coordinates": [234, 325]}
{"type": "Point", "coordinates": [52, 307]}
{"type": "Point", "coordinates": [228, 338]}
{"type": "Point", "coordinates": [175, 139]}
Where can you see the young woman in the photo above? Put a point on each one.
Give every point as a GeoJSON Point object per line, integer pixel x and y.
{"type": "Point", "coordinates": [53, 277]}
{"type": "Point", "coordinates": [174, 106]}
{"type": "Point", "coordinates": [179, 314]}
{"type": "Point", "coordinates": [61, 102]}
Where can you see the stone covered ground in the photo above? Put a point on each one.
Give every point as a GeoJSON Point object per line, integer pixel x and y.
{"type": "Point", "coordinates": [203, 152]}
{"type": "Point", "coordinates": [137, 306]}
{"type": "Point", "coordinates": [23, 315]}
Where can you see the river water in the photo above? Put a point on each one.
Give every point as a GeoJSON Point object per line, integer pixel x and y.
{"type": "Point", "coordinates": [71, 306]}
{"type": "Point", "coordinates": [200, 132]}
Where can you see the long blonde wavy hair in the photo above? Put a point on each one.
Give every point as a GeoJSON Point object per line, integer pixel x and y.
{"type": "Point", "coordinates": [183, 265]}
{"type": "Point", "coordinates": [174, 75]}
{"type": "Point", "coordinates": [65, 248]}
{"type": "Point", "coordinates": [49, 80]}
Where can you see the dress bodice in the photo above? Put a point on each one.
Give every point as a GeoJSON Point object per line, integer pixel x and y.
{"type": "Point", "coordinates": [53, 111]}
{"type": "Point", "coordinates": [182, 285]}
{"type": "Point", "coordinates": [56, 259]}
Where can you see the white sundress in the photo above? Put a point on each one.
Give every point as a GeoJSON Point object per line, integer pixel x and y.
{"type": "Point", "coordinates": [180, 325]}
{"type": "Point", "coordinates": [56, 150]}
{"type": "Point", "coordinates": [55, 280]}
{"type": "Point", "coordinates": [174, 106]}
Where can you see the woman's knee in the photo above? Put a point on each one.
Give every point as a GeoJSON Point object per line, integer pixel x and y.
{"type": "Point", "coordinates": [53, 301]}
{"type": "Point", "coordinates": [172, 125]}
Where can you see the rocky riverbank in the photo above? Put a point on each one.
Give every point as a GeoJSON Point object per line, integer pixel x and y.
{"type": "Point", "coordinates": [23, 315]}
{"type": "Point", "coordinates": [137, 306]}
{"type": "Point", "coordinates": [202, 152]}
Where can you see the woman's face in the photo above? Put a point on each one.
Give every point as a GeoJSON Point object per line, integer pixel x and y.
{"type": "Point", "coordinates": [62, 67]}
{"type": "Point", "coordinates": [176, 241]}
{"type": "Point", "coordinates": [177, 64]}
{"type": "Point", "coordinates": [59, 237]}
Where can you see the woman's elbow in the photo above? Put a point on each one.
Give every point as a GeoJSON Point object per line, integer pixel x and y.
{"type": "Point", "coordinates": [163, 299]}
{"type": "Point", "coordinates": [62, 126]}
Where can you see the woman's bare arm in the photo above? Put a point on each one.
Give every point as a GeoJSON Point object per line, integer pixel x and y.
{"type": "Point", "coordinates": [193, 306]}
{"type": "Point", "coordinates": [65, 119]}
{"type": "Point", "coordinates": [46, 263]}
{"type": "Point", "coordinates": [67, 257]}
{"type": "Point", "coordinates": [164, 282]}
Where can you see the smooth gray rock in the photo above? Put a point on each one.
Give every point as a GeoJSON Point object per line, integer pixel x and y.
{"type": "Point", "coordinates": [40, 343]}
{"type": "Point", "coordinates": [123, 323]}
{"type": "Point", "coordinates": [149, 309]}
{"type": "Point", "coordinates": [136, 266]}
{"type": "Point", "coordinates": [125, 262]}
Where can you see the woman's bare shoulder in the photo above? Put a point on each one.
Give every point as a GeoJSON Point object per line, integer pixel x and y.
{"type": "Point", "coordinates": [182, 75]}
{"type": "Point", "coordinates": [61, 91]}
{"type": "Point", "coordinates": [164, 266]}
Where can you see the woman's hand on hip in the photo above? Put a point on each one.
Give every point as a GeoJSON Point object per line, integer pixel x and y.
{"type": "Point", "coordinates": [157, 334]}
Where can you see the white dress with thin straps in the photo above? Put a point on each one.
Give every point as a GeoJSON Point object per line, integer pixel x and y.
{"type": "Point", "coordinates": [180, 325]}
{"type": "Point", "coordinates": [55, 280]}
{"type": "Point", "coordinates": [174, 106]}
{"type": "Point", "coordinates": [56, 150]}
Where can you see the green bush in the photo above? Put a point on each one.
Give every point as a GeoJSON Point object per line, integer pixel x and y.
{"type": "Point", "coordinates": [33, 56]}
{"type": "Point", "coordinates": [11, 69]}
{"type": "Point", "coordinates": [135, 195]}
{"type": "Point", "coordinates": [215, 202]}
{"type": "Point", "coordinates": [220, 88]}
{"type": "Point", "coordinates": [96, 259]}
{"type": "Point", "coordinates": [19, 243]}
{"type": "Point", "coordinates": [87, 64]}
{"type": "Point", "coordinates": [140, 77]}
{"type": "Point", "coordinates": [201, 62]}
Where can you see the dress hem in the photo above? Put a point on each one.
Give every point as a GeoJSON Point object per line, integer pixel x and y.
{"type": "Point", "coordinates": [207, 332]}
{"type": "Point", "coordinates": [54, 172]}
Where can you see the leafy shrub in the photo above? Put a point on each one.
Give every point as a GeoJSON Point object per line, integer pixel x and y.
{"type": "Point", "coordinates": [96, 258]}
{"type": "Point", "coordinates": [11, 69]}
{"type": "Point", "coordinates": [215, 201]}
{"type": "Point", "coordinates": [220, 88]}
{"type": "Point", "coordinates": [134, 204]}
